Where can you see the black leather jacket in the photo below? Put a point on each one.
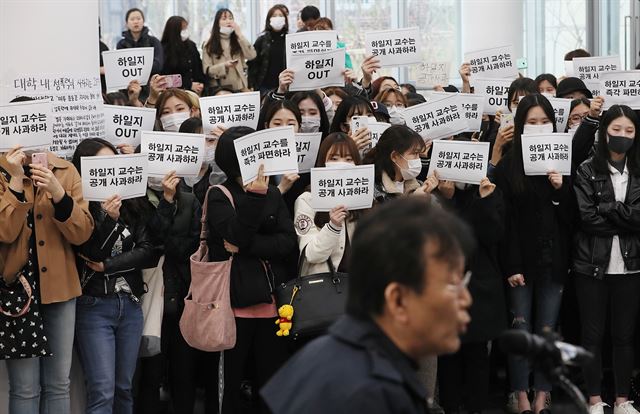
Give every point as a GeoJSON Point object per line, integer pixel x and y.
{"type": "Point", "coordinates": [138, 252]}
{"type": "Point", "coordinates": [601, 218]}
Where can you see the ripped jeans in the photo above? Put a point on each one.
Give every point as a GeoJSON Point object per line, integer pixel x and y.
{"type": "Point", "coordinates": [544, 295]}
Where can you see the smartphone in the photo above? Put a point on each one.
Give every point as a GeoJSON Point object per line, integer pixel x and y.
{"type": "Point", "coordinates": [173, 81]}
{"type": "Point", "coordinates": [40, 158]}
{"type": "Point", "coordinates": [358, 122]}
{"type": "Point", "coordinates": [506, 120]}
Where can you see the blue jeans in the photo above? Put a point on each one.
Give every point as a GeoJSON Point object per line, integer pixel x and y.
{"type": "Point", "coordinates": [108, 334]}
{"type": "Point", "coordinates": [41, 385]}
{"type": "Point", "coordinates": [545, 295]}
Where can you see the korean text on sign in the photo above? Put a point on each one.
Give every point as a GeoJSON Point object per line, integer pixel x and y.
{"type": "Point", "coordinates": [105, 176]}
{"type": "Point", "coordinates": [436, 120]}
{"type": "Point", "coordinates": [589, 69]}
{"type": "Point", "coordinates": [542, 153]}
{"type": "Point", "coordinates": [351, 187]}
{"type": "Point", "coordinates": [173, 151]}
{"type": "Point", "coordinates": [431, 74]}
{"type": "Point", "coordinates": [311, 41]}
{"type": "Point", "coordinates": [307, 145]}
{"type": "Point", "coordinates": [495, 92]}
{"type": "Point", "coordinates": [124, 124]}
{"type": "Point", "coordinates": [124, 65]}
{"type": "Point", "coordinates": [621, 88]}
{"type": "Point", "coordinates": [317, 70]}
{"type": "Point", "coordinates": [275, 148]}
{"type": "Point", "coordinates": [472, 107]}
{"type": "Point", "coordinates": [238, 109]}
{"type": "Point", "coordinates": [561, 108]}
{"type": "Point", "coordinates": [461, 161]}
{"type": "Point", "coordinates": [496, 62]}
{"type": "Point", "coordinates": [394, 47]}
{"type": "Point", "coordinates": [28, 124]}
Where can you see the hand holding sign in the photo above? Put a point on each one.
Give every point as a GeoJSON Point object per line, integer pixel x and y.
{"type": "Point", "coordinates": [446, 187]}
{"type": "Point", "coordinates": [169, 186]}
{"type": "Point", "coordinates": [260, 184]}
{"type": "Point", "coordinates": [15, 161]}
{"type": "Point", "coordinates": [486, 188]}
{"type": "Point", "coordinates": [285, 79]}
{"type": "Point", "coordinates": [287, 182]}
{"type": "Point", "coordinates": [337, 215]}
{"type": "Point", "coordinates": [555, 178]}
{"type": "Point", "coordinates": [595, 108]}
{"type": "Point", "coordinates": [111, 206]}
{"type": "Point", "coordinates": [370, 66]}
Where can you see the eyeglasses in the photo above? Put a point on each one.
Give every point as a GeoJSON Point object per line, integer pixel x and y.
{"type": "Point", "coordinates": [577, 117]}
{"type": "Point", "coordinates": [463, 284]}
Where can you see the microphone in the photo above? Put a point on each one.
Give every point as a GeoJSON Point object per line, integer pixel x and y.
{"type": "Point", "coordinates": [519, 342]}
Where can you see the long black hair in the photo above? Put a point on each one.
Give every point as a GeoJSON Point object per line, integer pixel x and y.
{"type": "Point", "coordinates": [270, 13]}
{"type": "Point", "coordinates": [133, 210]}
{"type": "Point", "coordinates": [213, 46]}
{"type": "Point", "coordinates": [518, 177]}
{"type": "Point", "coordinates": [174, 47]}
{"type": "Point", "coordinates": [524, 85]}
{"type": "Point", "coordinates": [602, 156]}
{"type": "Point", "coordinates": [396, 138]}
{"type": "Point", "coordinates": [226, 157]}
{"type": "Point", "coordinates": [268, 112]}
{"type": "Point", "coordinates": [324, 119]}
{"type": "Point", "coordinates": [348, 107]}
{"type": "Point", "coordinates": [546, 77]}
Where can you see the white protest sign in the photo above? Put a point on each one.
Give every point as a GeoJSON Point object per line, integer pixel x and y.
{"type": "Point", "coordinates": [105, 176]}
{"type": "Point", "coordinates": [124, 124]}
{"type": "Point", "coordinates": [395, 47]}
{"type": "Point", "coordinates": [275, 148]}
{"type": "Point", "coordinates": [562, 109]}
{"type": "Point", "coordinates": [621, 88]}
{"type": "Point", "coordinates": [307, 145]}
{"type": "Point", "coordinates": [376, 129]}
{"type": "Point", "coordinates": [436, 120]}
{"type": "Point", "coordinates": [495, 92]}
{"type": "Point", "coordinates": [351, 187]}
{"type": "Point", "coordinates": [238, 109]}
{"type": "Point", "coordinates": [588, 69]}
{"type": "Point", "coordinates": [461, 161]}
{"type": "Point", "coordinates": [542, 153]}
{"type": "Point", "coordinates": [317, 70]}
{"type": "Point", "coordinates": [472, 106]}
{"type": "Point", "coordinates": [67, 76]}
{"type": "Point", "coordinates": [311, 41]}
{"type": "Point", "coordinates": [568, 68]}
{"type": "Point", "coordinates": [173, 151]}
{"type": "Point", "coordinates": [431, 74]}
{"type": "Point", "coordinates": [124, 65]}
{"type": "Point", "coordinates": [496, 62]}
{"type": "Point", "coordinates": [28, 124]}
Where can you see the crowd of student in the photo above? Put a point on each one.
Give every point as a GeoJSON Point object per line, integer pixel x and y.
{"type": "Point", "coordinates": [541, 240]}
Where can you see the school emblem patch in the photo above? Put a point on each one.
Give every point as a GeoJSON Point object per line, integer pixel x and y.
{"type": "Point", "coordinates": [303, 224]}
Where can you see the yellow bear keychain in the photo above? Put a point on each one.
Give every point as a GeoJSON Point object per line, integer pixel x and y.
{"type": "Point", "coordinates": [285, 313]}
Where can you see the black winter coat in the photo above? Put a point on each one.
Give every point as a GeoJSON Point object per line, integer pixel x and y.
{"type": "Point", "coordinates": [582, 143]}
{"type": "Point", "coordinates": [539, 224]}
{"type": "Point", "coordinates": [138, 252]}
{"type": "Point", "coordinates": [261, 65]}
{"type": "Point", "coordinates": [486, 217]}
{"type": "Point", "coordinates": [176, 226]}
{"type": "Point", "coordinates": [601, 218]}
{"type": "Point", "coordinates": [146, 40]}
{"type": "Point", "coordinates": [260, 226]}
{"type": "Point", "coordinates": [355, 368]}
{"type": "Point", "coordinates": [189, 65]}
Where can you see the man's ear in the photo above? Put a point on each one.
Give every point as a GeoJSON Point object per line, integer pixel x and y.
{"type": "Point", "coordinates": [395, 297]}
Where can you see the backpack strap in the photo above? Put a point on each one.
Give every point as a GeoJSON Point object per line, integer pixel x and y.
{"type": "Point", "coordinates": [204, 229]}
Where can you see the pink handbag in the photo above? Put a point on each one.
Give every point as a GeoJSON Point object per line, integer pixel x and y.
{"type": "Point", "coordinates": [207, 322]}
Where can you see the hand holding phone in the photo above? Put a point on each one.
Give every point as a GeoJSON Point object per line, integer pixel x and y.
{"type": "Point", "coordinates": [506, 120]}
{"type": "Point", "coordinates": [358, 122]}
{"type": "Point", "coordinates": [173, 81]}
{"type": "Point", "coordinates": [40, 159]}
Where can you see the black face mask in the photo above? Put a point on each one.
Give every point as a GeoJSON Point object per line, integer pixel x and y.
{"type": "Point", "coordinates": [619, 144]}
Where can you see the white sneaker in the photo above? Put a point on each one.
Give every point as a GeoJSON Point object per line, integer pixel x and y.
{"type": "Point", "coordinates": [512, 403]}
{"type": "Point", "coordinates": [597, 408]}
{"type": "Point", "coordinates": [625, 408]}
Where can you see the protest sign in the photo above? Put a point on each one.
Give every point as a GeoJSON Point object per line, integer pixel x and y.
{"type": "Point", "coordinates": [238, 109]}
{"type": "Point", "coordinates": [562, 109]}
{"type": "Point", "coordinates": [105, 176]}
{"type": "Point", "coordinates": [395, 47]}
{"type": "Point", "coordinates": [568, 68]}
{"type": "Point", "coordinates": [472, 106]}
{"type": "Point", "coordinates": [66, 76]}
{"type": "Point", "coordinates": [307, 145]}
{"type": "Point", "coordinates": [542, 153]}
{"type": "Point", "coordinates": [317, 70]}
{"type": "Point", "coordinates": [588, 69]}
{"type": "Point", "coordinates": [351, 187]}
{"type": "Point", "coordinates": [124, 124]}
{"type": "Point", "coordinates": [376, 129]}
{"type": "Point", "coordinates": [311, 41]}
{"type": "Point", "coordinates": [495, 92]}
{"type": "Point", "coordinates": [435, 120]}
{"type": "Point", "coordinates": [28, 124]}
{"type": "Point", "coordinates": [461, 161]}
{"type": "Point", "coordinates": [173, 151]}
{"type": "Point", "coordinates": [496, 62]}
{"type": "Point", "coordinates": [431, 74]}
{"type": "Point", "coordinates": [621, 88]}
{"type": "Point", "coordinates": [275, 148]}
{"type": "Point", "coordinates": [125, 65]}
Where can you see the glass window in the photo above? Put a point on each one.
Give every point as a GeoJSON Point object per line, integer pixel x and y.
{"type": "Point", "coordinates": [294, 8]}
{"type": "Point", "coordinates": [617, 31]}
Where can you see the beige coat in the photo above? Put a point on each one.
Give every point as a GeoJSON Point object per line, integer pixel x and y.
{"type": "Point", "coordinates": [234, 77]}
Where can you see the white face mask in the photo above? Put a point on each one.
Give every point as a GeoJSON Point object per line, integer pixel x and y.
{"type": "Point", "coordinates": [538, 129]}
{"type": "Point", "coordinates": [310, 124]}
{"type": "Point", "coordinates": [184, 35]}
{"type": "Point", "coordinates": [172, 122]}
{"type": "Point", "coordinates": [413, 170]}
{"type": "Point", "coordinates": [460, 186]}
{"type": "Point", "coordinates": [339, 164]}
{"type": "Point", "coordinates": [155, 183]}
{"type": "Point", "coordinates": [277, 23]}
{"type": "Point", "coordinates": [209, 155]}
{"type": "Point", "coordinates": [547, 95]}
{"type": "Point", "coordinates": [226, 30]}
{"type": "Point", "coordinates": [395, 116]}
{"type": "Point", "coordinates": [191, 180]}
